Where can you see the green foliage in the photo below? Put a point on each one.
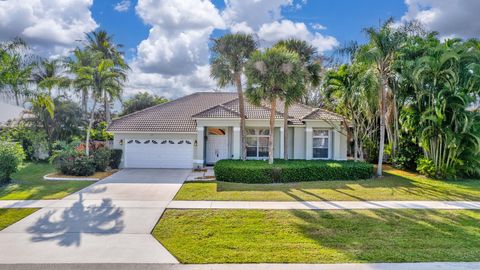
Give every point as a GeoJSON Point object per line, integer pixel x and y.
{"type": "Point", "coordinates": [407, 155]}
{"type": "Point", "coordinates": [426, 166]}
{"type": "Point", "coordinates": [34, 143]}
{"type": "Point", "coordinates": [257, 171]}
{"type": "Point", "coordinates": [141, 101]}
{"type": "Point", "coordinates": [100, 133]}
{"type": "Point", "coordinates": [115, 158]}
{"type": "Point", "coordinates": [11, 156]}
{"type": "Point", "coordinates": [101, 158]}
{"type": "Point", "coordinates": [70, 161]}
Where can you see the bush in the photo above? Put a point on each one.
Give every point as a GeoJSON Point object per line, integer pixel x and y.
{"type": "Point", "coordinates": [101, 157]}
{"type": "Point", "coordinates": [426, 166]}
{"type": "Point", "coordinates": [115, 158]}
{"type": "Point", "coordinates": [11, 156]}
{"type": "Point", "coordinates": [256, 171]}
{"type": "Point", "coordinates": [70, 161]}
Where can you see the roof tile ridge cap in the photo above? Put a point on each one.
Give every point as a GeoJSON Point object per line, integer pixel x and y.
{"type": "Point", "coordinates": [237, 98]}
{"type": "Point", "coordinates": [230, 109]}
{"type": "Point", "coordinates": [151, 107]}
{"type": "Point", "coordinates": [314, 110]}
{"type": "Point", "coordinates": [330, 112]}
{"type": "Point", "coordinates": [213, 106]}
{"type": "Point", "coordinates": [276, 111]}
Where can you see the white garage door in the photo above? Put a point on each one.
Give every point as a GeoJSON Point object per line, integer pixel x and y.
{"type": "Point", "coordinates": [155, 153]}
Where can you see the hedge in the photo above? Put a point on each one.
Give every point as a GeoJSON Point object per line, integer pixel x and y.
{"type": "Point", "coordinates": [11, 156]}
{"type": "Point", "coordinates": [258, 171]}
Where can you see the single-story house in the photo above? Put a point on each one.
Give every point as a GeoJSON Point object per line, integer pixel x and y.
{"type": "Point", "coordinates": [204, 127]}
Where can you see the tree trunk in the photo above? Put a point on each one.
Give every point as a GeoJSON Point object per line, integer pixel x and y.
{"type": "Point", "coordinates": [90, 124]}
{"type": "Point", "coordinates": [273, 111]}
{"type": "Point", "coordinates": [355, 142]}
{"type": "Point", "coordinates": [84, 104]}
{"type": "Point", "coordinates": [107, 108]}
{"type": "Point", "coordinates": [285, 132]}
{"type": "Point", "coordinates": [241, 108]}
{"type": "Point", "coordinates": [382, 126]}
{"type": "Point", "coordinates": [15, 93]}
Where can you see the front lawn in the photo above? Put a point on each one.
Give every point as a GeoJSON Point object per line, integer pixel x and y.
{"type": "Point", "coordinates": [395, 185]}
{"type": "Point", "coordinates": [308, 236]}
{"type": "Point", "coordinates": [28, 184]}
{"type": "Point", "coordinates": [10, 216]}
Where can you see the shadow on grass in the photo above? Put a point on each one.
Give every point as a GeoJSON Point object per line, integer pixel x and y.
{"type": "Point", "coordinates": [395, 236]}
{"type": "Point", "coordinates": [67, 227]}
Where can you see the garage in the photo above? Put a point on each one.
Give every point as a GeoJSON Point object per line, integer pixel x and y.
{"type": "Point", "coordinates": [158, 153]}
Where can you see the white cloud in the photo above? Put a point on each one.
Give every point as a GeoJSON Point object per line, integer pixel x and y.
{"type": "Point", "coordinates": [253, 13]}
{"type": "Point", "coordinates": [241, 28]}
{"type": "Point", "coordinates": [173, 60]}
{"type": "Point", "coordinates": [451, 18]}
{"type": "Point", "coordinates": [51, 27]}
{"type": "Point", "coordinates": [318, 26]}
{"type": "Point", "coordinates": [275, 31]}
{"type": "Point", "coordinates": [122, 6]}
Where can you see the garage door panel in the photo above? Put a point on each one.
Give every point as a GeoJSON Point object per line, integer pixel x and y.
{"type": "Point", "coordinates": [166, 155]}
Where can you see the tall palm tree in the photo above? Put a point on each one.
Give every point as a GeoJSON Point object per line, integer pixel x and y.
{"type": "Point", "coordinates": [230, 53]}
{"type": "Point", "coordinates": [269, 73]}
{"type": "Point", "coordinates": [99, 77]}
{"type": "Point", "coordinates": [384, 43]}
{"type": "Point", "coordinates": [101, 42]}
{"type": "Point", "coordinates": [81, 58]}
{"type": "Point", "coordinates": [311, 64]}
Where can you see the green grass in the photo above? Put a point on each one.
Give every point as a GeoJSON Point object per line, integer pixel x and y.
{"type": "Point", "coordinates": [28, 184]}
{"type": "Point", "coordinates": [395, 185]}
{"type": "Point", "coordinates": [308, 236]}
{"type": "Point", "coordinates": [10, 216]}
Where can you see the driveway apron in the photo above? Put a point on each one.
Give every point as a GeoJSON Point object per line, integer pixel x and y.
{"type": "Point", "coordinates": [107, 222]}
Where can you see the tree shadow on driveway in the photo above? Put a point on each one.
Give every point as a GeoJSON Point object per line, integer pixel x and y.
{"type": "Point", "coordinates": [66, 227]}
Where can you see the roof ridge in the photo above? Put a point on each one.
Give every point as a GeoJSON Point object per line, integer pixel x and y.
{"type": "Point", "coordinates": [310, 113]}
{"type": "Point", "coordinates": [154, 106]}
{"type": "Point", "coordinates": [209, 108]}
{"type": "Point", "coordinates": [230, 109]}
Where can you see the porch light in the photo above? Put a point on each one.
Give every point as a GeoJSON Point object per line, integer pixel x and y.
{"type": "Point", "coordinates": [121, 142]}
{"type": "Point", "coordinates": [195, 143]}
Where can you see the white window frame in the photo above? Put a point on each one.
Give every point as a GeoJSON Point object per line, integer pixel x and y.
{"type": "Point", "coordinates": [258, 136]}
{"type": "Point", "coordinates": [329, 142]}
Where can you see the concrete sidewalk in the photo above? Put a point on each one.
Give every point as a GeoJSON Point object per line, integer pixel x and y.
{"type": "Point", "coordinates": [293, 205]}
{"type": "Point", "coordinates": [107, 222]}
{"type": "Point", "coordinates": [366, 266]}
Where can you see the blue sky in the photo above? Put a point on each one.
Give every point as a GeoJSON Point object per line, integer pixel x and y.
{"type": "Point", "coordinates": [343, 19]}
{"type": "Point", "coordinates": [167, 41]}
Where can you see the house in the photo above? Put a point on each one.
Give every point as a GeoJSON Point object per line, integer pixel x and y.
{"type": "Point", "coordinates": [11, 114]}
{"type": "Point", "coordinates": [204, 127]}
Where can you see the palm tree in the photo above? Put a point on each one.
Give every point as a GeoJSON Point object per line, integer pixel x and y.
{"type": "Point", "coordinates": [81, 58]}
{"type": "Point", "coordinates": [15, 75]}
{"type": "Point", "coordinates": [269, 73]}
{"type": "Point", "coordinates": [384, 43]}
{"type": "Point", "coordinates": [103, 43]}
{"type": "Point", "coordinates": [311, 64]}
{"type": "Point", "coordinates": [100, 77]}
{"type": "Point", "coordinates": [48, 74]}
{"type": "Point", "coordinates": [230, 53]}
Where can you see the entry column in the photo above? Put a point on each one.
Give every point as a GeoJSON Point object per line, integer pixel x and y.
{"type": "Point", "coordinates": [200, 148]}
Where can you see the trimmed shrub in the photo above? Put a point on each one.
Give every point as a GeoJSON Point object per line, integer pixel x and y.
{"type": "Point", "coordinates": [78, 165]}
{"type": "Point", "coordinates": [256, 171]}
{"type": "Point", "coordinates": [11, 156]}
{"type": "Point", "coordinates": [101, 157]}
{"type": "Point", "coordinates": [115, 158]}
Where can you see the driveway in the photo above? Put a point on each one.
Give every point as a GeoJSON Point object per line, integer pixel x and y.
{"type": "Point", "coordinates": [107, 222]}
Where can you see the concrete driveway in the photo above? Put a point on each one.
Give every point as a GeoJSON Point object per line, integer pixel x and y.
{"type": "Point", "coordinates": [107, 222]}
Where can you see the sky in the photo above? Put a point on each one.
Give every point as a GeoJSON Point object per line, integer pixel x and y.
{"type": "Point", "coordinates": [166, 42]}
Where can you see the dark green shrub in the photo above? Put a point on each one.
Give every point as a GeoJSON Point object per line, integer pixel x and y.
{"type": "Point", "coordinates": [101, 157]}
{"type": "Point", "coordinates": [256, 171]}
{"type": "Point", "coordinates": [11, 156]}
{"type": "Point", "coordinates": [78, 165]}
{"type": "Point", "coordinates": [115, 158]}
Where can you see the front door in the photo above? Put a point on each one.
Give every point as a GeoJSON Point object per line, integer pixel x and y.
{"type": "Point", "coordinates": [217, 145]}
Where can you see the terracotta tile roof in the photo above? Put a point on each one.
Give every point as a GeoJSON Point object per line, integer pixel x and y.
{"type": "Point", "coordinates": [178, 115]}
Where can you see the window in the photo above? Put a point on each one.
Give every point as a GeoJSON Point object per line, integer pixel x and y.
{"type": "Point", "coordinates": [215, 131]}
{"type": "Point", "coordinates": [257, 142]}
{"type": "Point", "coordinates": [320, 143]}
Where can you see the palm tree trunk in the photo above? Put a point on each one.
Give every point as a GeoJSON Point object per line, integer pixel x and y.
{"type": "Point", "coordinates": [84, 104]}
{"type": "Point", "coordinates": [90, 124]}
{"type": "Point", "coordinates": [15, 93]}
{"type": "Point", "coordinates": [241, 107]}
{"type": "Point", "coordinates": [106, 104]}
{"type": "Point", "coordinates": [355, 142]}
{"type": "Point", "coordinates": [382, 126]}
{"type": "Point", "coordinates": [285, 132]}
{"type": "Point", "coordinates": [273, 110]}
